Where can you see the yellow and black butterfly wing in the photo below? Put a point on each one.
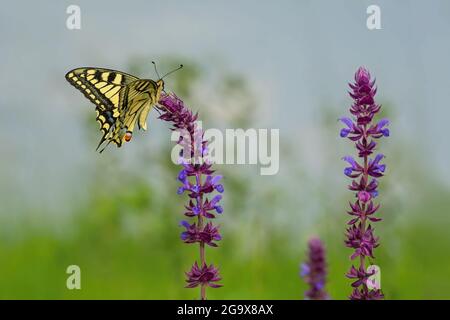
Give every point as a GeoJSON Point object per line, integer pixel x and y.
{"type": "Point", "coordinates": [138, 99]}
{"type": "Point", "coordinates": [108, 90]}
{"type": "Point", "coordinates": [142, 96]}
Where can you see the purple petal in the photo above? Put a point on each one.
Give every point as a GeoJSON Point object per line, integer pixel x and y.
{"type": "Point", "coordinates": [216, 199]}
{"type": "Point", "coordinates": [320, 285]}
{"type": "Point", "coordinates": [184, 223]}
{"type": "Point", "coordinates": [344, 132]}
{"type": "Point", "coordinates": [382, 123]}
{"type": "Point", "coordinates": [348, 171]}
{"type": "Point", "coordinates": [347, 121]}
{"type": "Point", "coordinates": [196, 210]}
{"type": "Point", "coordinates": [378, 158]}
{"type": "Point", "coordinates": [304, 270]}
{"type": "Point", "coordinates": [216, 179]}
{"type": "Point", "coordinates": [182, 175]}
{"type": "Point", "coordinates": [208, 179]}
{"type": "Point", "coordinates": [351, 161]}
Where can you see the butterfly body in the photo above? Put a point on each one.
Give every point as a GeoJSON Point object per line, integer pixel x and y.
{"type": "Point", "coordinates": [121, 100]}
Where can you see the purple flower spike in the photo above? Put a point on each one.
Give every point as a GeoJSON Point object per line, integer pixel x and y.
{"type": "Point", "coordinates": [314, 272]}
{"type": "Point", "coordinates": [198, 181]}
{"type": "Point", "coordinates": [363, 131]}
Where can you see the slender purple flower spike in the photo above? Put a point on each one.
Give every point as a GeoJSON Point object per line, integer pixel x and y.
{"type": "Point", "coordinates": [314, 272]}
{"type": "Point", "coordinates": [363, 132]}
{"type": "Point", "coordinates": [198, 181]}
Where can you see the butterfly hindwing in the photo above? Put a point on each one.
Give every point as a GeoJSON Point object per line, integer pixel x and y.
{"type": "Point", "coordinates": [142, 96]}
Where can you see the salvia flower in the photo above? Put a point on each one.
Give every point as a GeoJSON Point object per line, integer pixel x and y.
{"type": "Point", "coordinates": [365, 172]}
{"type": "Point", "coordinates": [207, 235]}
{"type": "Point", "coordinates": [198, 182]}
{"type": "Point", "coordinates": [314, 272]}
{"type": "Point", "coordinates": [204, 276]}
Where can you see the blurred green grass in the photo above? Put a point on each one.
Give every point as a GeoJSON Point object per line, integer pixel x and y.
{"type": "Point", "coordinates": [116, 265]}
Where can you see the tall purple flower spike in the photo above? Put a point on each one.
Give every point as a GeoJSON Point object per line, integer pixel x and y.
{"type": "Point", "coordinates": [363, 132]}
{"type": "Point", "coordinates": [198, 181]}
{"type": "Point", "coordinates": [314, 271]}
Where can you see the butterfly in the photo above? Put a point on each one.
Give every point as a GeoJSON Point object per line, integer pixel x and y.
{"type": "Point", "coordinates": [121, 100]}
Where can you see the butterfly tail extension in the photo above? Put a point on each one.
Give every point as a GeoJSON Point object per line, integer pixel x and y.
{"type": "Point", "coordinates": [103, 147]}
{"type": "Point", "coordinates": [102, 140]}
{"type": "Point", "coordinates": [114, 135]}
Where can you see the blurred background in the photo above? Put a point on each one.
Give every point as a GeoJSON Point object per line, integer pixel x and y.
{"type": "Point", "coordinates": [256, 64]}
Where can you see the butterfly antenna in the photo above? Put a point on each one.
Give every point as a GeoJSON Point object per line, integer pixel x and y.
{"type": "Point", "coordinates": [156, 70]}
{"type": "Point", "coordinates": [180, 67]}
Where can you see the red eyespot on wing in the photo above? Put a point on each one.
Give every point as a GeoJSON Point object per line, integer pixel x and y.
{"type": "Point", "coordinates": [128, 136]}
